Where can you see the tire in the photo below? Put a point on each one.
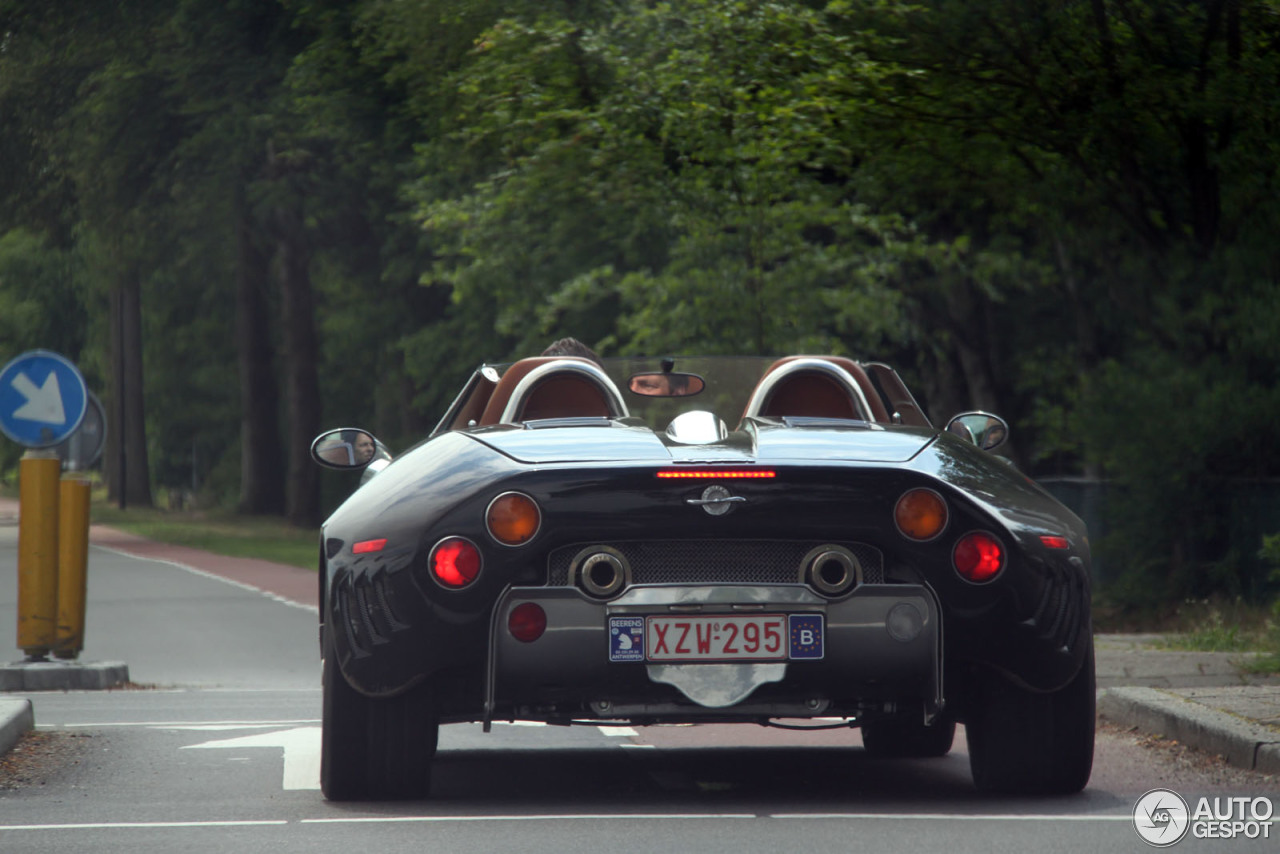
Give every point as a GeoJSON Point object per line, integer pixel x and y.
{"type": "Point", "coordinates": [908, 739]}
{"type": "Point", "coordinates": [374, 748]}
{"type": "Point", "coordinates": [1021, 741]}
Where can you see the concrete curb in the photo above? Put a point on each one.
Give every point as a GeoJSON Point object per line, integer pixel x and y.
{"type": "Point", "coordinates": [1241, 742]}
{"type": "Point", "coordinates": [63, 676]}
{"type": "Point", "coordinates": [16, 719]}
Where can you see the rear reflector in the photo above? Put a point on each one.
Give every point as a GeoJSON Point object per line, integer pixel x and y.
{"type": "Point", "coordinates": [369, 546]}
{"type": "Point", "coordinates": [703, 474]}
{"type": "Point", "coordinates": [1055, 542]}
{"type": "Point", "coordinates": [527, 622]}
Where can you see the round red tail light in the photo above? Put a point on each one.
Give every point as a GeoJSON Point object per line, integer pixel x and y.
{"type": "Point", "coordinates": [527, 621]}
{"type": "Point", "coordinates": [455, 562]}
{"type": "Point", "coordinates": [978, 557]}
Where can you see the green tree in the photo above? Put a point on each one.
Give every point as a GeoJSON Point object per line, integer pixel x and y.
{"type": "Point", "coordinates": [113, 145]}
{"type": "Point", "coordinates": [42, 305]}
{"type": "Point", "coordinates": [664, 179]}
{"type": "Point", "coordinates": [1124, 150]}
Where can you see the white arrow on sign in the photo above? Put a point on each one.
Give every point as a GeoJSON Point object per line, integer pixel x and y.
{"type": "Point", "coordinates": [44, 403]}
{"type": "Point", "coordinates": [301, 752]}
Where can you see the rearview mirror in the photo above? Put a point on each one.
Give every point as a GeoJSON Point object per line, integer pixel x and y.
{"type": "Point", "coordinates": [666, 384]}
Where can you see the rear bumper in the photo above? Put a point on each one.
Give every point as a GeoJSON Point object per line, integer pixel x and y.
{"type": "Point", "coordinates": [567, 673]}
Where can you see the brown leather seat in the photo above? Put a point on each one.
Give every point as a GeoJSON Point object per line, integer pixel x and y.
{"type": "Point", "coordinates": [818, 394]}
{"type": "Point", "coordinates": [559, 394]}
{"type": "Point", "coordinates": [812, 395]}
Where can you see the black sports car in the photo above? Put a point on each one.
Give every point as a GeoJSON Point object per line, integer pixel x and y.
{"type": "Point", "coordinates": [703, 540]}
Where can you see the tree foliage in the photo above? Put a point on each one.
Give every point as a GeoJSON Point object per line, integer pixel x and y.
{"type": "Point", "coordinates": [1059, 210]}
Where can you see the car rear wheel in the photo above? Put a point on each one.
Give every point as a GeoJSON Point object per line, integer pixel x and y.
{"type": "Point", "coordinates": [1023, 741]}
{"type": "Point", "coordinates": [374, 748]}
{"type": "Point", "coordinates": [908, 739]}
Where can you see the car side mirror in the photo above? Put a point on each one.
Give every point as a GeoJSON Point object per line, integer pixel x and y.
{"type": "Point", "coordinates": [983, 429]}
{"type": "Point", "coordinates": [347, 449]}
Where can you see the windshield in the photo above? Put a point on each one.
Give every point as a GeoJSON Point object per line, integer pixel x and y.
{"type": "Point", "coordinates": [728, 381]}
{"type": "Point", "coordinates": [656, 390]}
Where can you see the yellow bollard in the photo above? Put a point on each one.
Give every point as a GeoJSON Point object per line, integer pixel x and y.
{"type": "Point", "coordinates": [73, 560]}
{"type": "Point", "coordinates": [38, 473]}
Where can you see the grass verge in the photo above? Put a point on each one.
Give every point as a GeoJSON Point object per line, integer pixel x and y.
{"type": "Point", "coordinates": [220, 532]}
{"type": "Point", "coordinates": [1220, 626]}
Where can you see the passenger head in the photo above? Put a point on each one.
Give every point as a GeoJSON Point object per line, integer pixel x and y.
{"type": "Point", "coordinates": [571, 347]}
{"type": "Point", "coordinates": [363, 447]}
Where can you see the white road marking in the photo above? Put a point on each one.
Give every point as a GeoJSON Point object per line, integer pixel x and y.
{"type": "Point", "coordinates": [186, 724]}
{"type": "Point", "coordinates": [300, 742]}
{"type": "Point", "coordinates": [952, 816]}
{"type": "Point", "coordinates": [570, 817]}
{"type": "Point", "coordinates": [611, 731]}
{"type": "Point", "coordinates": [222, 727]}
{"type": "Point", "coordinates": [113, 825]}
{"type": "Point", "coordinates": [705, 816]}
{"type": "Point", "coordinates": [301, 747]}
{"type": "Point", "coordinates": [276, 597]}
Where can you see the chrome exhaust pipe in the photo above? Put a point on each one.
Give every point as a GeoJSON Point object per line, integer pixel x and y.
{"type": "Point", "coordinates": [601, 574]}
{"type": "Point", "coordinates": [831, 570]}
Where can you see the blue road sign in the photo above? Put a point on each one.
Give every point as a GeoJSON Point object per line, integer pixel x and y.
{"type": "Point", "coordinates": [42, 399]}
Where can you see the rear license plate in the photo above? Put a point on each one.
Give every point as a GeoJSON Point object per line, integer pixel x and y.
{"type": "Point", "coordinates": [716, 637]}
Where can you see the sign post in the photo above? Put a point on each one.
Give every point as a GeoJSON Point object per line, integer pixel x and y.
{"type": "Point", "coordinates": [43, 399]}
{"type": "Point", "coordinates": [38, 553]}
{"type": "Point", "coordinates": [78, 453]}
{"type": "Point", "coordinates": [73, 564]}
{"type": "Point", "coordinates": [80, 450]}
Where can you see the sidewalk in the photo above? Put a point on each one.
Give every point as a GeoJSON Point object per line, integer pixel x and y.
{"type": "Point", "coordinates": [286, 583]}
{"type": "Point", "coordinates": [1198, 698]}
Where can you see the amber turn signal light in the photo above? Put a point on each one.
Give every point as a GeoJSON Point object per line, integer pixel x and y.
{"type": "Point", "coordinates": [920, 514]}
{"type": "Point", "coordinates": [513, 518]}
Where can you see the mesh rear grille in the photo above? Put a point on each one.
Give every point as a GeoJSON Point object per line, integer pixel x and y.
{"type": "Point", "coordinates": [715, 561]}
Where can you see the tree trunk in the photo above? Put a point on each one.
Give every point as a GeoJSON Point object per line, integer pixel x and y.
{"type": "Point", "coordinates": [1087, 353]}
{"type": "Point", "coordinates": [127, 467]}
{"type": "Point", "coordinates": [969, 324]}
{"type": "Point", "coordinates": [261, 458]}
{"type": "Point", "coordinates": [302, 384]}
{"type": "Point", "coordinates": [113, 452]}
{"type": "Point", "coordinates": [944, 390]}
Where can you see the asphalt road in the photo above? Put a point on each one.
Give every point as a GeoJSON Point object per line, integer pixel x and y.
{"type": "Point", "coordinates": [217, 750]}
